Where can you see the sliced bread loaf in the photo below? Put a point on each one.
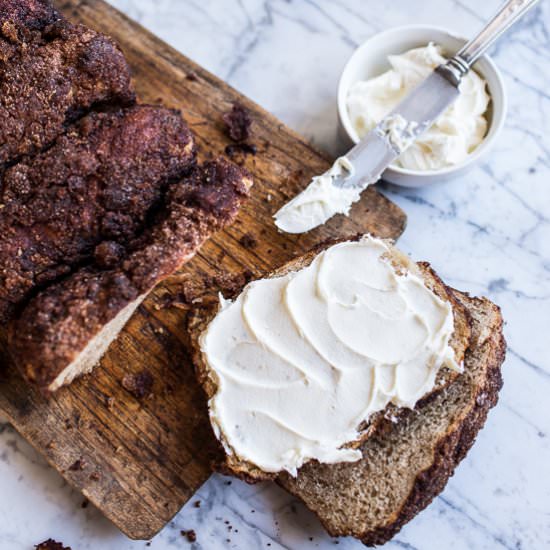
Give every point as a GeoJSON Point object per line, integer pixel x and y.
{"type": "Point", "coordinates": [65, 329]}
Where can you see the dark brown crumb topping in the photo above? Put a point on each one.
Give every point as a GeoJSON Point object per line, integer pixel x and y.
{"type": "Point", "coordinates": [87, 197]}
{"type": "Point", "coordinates": [108, 254]}
{"type": "Point", "coordinates": [51, 72]}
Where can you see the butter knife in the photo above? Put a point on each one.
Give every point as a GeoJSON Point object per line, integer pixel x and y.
{"type": "Point", "coordinates": [336, 190]}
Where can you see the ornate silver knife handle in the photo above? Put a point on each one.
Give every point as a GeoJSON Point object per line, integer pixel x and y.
{"type": "Point", "coordinates": [462, 62]}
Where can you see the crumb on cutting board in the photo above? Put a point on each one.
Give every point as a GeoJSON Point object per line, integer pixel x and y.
{"type": "Point", "coordinates": [140, 385]}
{"type": "Point", "coordinates": [95, 476]}
{"type": "Point", "coordinates": [238, 122]}
{"type": "Point", "coordinates": [248, 241]}
{"type": "Point", "coordinates": [77, 465]}
{"type": "Point", "coordinates": [235, 149]}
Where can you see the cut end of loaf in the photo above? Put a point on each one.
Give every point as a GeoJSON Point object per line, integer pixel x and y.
{"type": "Point", "coordinates": [96, 348]}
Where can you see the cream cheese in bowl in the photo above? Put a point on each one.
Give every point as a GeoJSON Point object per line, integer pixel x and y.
{"type": "Point", "coordinates": [454, 136]}
{"type": "Point", "coordinates": [390, 62]}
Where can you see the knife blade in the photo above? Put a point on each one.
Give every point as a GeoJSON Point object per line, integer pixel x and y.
{"type": "Point", "coordinates": [335, 191]}
{"type": "Point", "coordinates": [408, 121]}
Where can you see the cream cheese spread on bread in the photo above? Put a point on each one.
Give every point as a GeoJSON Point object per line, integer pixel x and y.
{"type": "Point", "coordinates": [302, 360]}
{"type": "Point", "coordinates": [319, 201]}
{"type": "Point", "coordinates": [455, 135]}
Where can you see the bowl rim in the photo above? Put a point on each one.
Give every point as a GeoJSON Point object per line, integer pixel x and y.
{"type": "Point", "coordinates": [496, 83]}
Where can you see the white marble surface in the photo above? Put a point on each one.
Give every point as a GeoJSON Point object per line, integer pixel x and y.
{"type": "Point", "coordinates": [488, 233]}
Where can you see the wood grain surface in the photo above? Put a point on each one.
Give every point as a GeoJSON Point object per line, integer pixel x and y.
{"type": "Point", "coordinates": [140, 459]}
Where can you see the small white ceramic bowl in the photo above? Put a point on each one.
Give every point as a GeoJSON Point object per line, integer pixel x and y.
{"type": "Point", "coordinates": [371, 59]}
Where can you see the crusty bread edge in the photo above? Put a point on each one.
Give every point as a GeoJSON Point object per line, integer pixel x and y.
{"type": "Point", "coordinates": [452, 447]}
{"type": "Point", "coordinates": [201, 316]}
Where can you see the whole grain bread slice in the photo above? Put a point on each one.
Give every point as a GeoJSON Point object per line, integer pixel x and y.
{"type": "Point", "coordinates": [406, 464]}
{"type": "Point", "coordinates": [203, 314]}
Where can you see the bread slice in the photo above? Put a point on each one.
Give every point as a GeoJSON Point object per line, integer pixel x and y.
{"type": "Point", "coordinates": [407, 464]}
{"type": "Point", "coordinates": [203, 315]}
{"type": "Point", "coordinates": [65, 330]}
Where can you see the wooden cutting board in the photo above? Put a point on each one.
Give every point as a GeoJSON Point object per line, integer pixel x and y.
{"type": "Point", "coordinates": [140, 460]}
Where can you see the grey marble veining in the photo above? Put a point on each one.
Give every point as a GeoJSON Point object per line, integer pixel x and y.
{"type": "Point", "coordinates": [488, 233]}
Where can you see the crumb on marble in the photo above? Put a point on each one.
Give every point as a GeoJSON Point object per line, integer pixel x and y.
{"type": "Point", "coordinates": [51, 544]}
{"type": "Point", "coordinates": [190, 535]}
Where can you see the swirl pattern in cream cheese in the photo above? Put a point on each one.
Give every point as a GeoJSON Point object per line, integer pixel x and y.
{"type": "Point", "coordinates": [303, 359]}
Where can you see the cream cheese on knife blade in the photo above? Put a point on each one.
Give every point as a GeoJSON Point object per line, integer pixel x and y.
{"type": "Point", "coordinates": [322, 199]}
{"type": "Point", "coordinates": [319, 201]}
{"type": "Point", "coordinates": [302, 360]}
